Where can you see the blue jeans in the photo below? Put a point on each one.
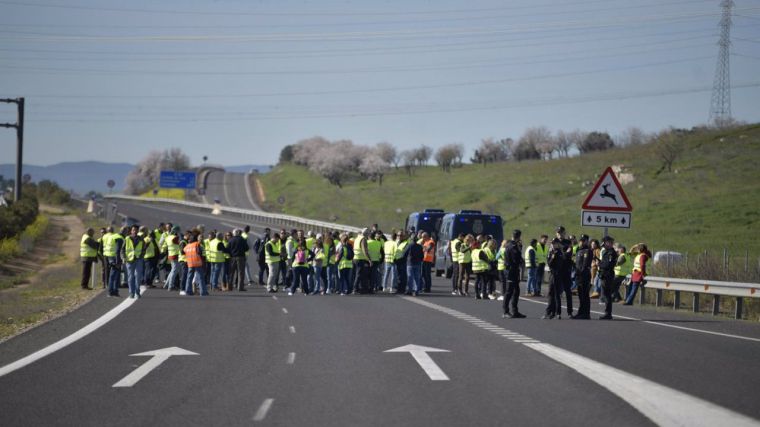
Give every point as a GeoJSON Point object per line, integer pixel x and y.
{"type": "Point", "coordinates": [172, 275]}
{"type": "Point", "coordinates": [344, 277]}
{"type": "Point", "coordinates": [631, 292]}
{"type": "Point", "coordinates": [114, 275]}
{"type": "Point", "coordinates": [531, 280]}
{"type": "Point", "coordinates": [195, 272]}
{"type": "Point", "coordinates": [318, 283]}
{"type": "Point", "coordinates": [389, 272]}
{"type": "Point", "coordinates": [598, 283]}
{"type": "Point", "coordinates": [300, 277]}
{"type": "Point", "coordinates": [332, 278]}
{"type": "Point", "coordinates": [540, 270]}
{"type": "Point", "coordinates": [414, 278]}
{"type": "Point", "coordinates": [216, 272]}
{"type": "Point", "coordinates": [134, 273]}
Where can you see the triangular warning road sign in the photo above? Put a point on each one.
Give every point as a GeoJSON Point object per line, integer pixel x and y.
{"type": "Point", "coordinates": [607, 194]}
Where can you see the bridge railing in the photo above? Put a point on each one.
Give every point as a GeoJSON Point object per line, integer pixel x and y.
{"type": "Point", "coordinates": [273, 219]}
{"type": "Point", "coordinates": [717, 289]}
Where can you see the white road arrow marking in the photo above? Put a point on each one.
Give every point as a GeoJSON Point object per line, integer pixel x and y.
{"type": "Point", "coordinates": [427, 364]}
{"type": "Point", "coordinates": [159, 357]}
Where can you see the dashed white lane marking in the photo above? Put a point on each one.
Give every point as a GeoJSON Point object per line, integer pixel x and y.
{"type": "Point", "coordinates": [643, 395]}
{"type": "Point", "coordinates": [76, 336]}
{"type": "Point", "coordinates": [291, 358]}
{"type": "Point", "coordinates": [292, 329]}
{"type": "Point", "coordinates": [285, 310]}
{"type": "Point", "coordinates": [274, 297]}
{"type": "Point", "coordinates": [263, 409]}
{"type": "Point", "coordinates": [667, 325]}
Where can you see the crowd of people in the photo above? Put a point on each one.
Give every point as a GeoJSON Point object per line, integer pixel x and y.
{"type": "Point", "coordinates": [295, 261]}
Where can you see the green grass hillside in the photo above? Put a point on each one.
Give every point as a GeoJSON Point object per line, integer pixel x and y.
{"type": "Point", "coordinates": [711, 200]}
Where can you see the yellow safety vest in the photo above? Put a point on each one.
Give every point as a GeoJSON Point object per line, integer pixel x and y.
{"type": "Point", "coordinates": [344, 262]}
{"type": "Point", "coordinates": [276, 249]}
{"type": "Point", "coordinates": [212, 252]}
{"type": "Point", "coordinates": [528, 264]}
{"type": "Point", "coordinates": [390, 251]}
{"type": "Point", "coordinates": [329, 253]}
{"type": "Point", "coordinates": [181, 257]}
{"type": "Point", "coordinates": [150, 250]}
{"type": "Point", "coordinates": [85, 251]}
{"type": "Point", "coordinates": [625, 268]}
{"type": "Point", "coordinates": [305, 263]}
{"type": "Point", "coordinates": [465, 255]}
{"type": "Point", "coordinates": [171, 247]}
{"type": "Point", "coordinates": [400, 246]}
{"type": "Point", "coordinates": [374, 248]}
{"type": "Point", "coordinates": [637, 263]}
{"type": "Point", "coordinates": [226, 254]}
{"type": "Point", "coordinates": [478, 266]}
{"type": "Point", "coordinates": [454, 251]}
{"type": "Point", "coordinates": [542, 251]}
{"type": "Point", "coordinates": [131, 251]}
{"type": "Point", "coordinates": [244, 235]}
{"type": "Point", "coordinates": [359, 254]}
{"type": "Point", "coordinates": [310, 243]}
{"type": "Point", "coordinates": [501, 264]}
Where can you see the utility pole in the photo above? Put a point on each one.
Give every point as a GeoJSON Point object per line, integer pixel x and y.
{"type": "Point", "coordinates": [720, 104]}
{"type": "Point", "coordinates": [19, 126]}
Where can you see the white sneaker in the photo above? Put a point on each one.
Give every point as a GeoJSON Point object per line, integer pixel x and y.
{"type": "Point", "coordinates": [182, 293]}
{"type": "Point", "coordinates": [290, 294]}
{"type": "Point", "coordinates": [501, 298]}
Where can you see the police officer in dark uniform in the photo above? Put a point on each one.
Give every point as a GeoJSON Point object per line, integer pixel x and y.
{"type": "Point", "coordinates": [608, 259]}
{"type": "Point", "coordinates": [556, 262]}
{"type": "Point", "coordinates": [566, 276]}
{"type": "Point", "coordinates": [583, 260]}
{"type": "Point", "coordinates": [513, 261]}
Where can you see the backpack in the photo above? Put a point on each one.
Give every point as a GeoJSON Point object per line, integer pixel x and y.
{"type": "Point", "coordinates": [349, 252]}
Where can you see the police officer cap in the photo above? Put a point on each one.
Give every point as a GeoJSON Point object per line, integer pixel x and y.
{"type": "Point", "coordinates": [608, 239]}
{"type": "Point", "coordinates": [560, 229]}
{"type": "Point", "coordinates": [516, 233]}
{"type": "Point", "coordinates": [556, 240]}
{"type": "Point", "coordinates": [584, 238]}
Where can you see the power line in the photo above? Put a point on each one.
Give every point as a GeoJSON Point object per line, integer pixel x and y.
{"type": "Point", "coordinates": [618, 96]}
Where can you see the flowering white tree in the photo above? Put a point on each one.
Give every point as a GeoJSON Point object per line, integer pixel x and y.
{"type": "Point", "coordinates": [374, 167]}
{"type": "Point", "coordinates": [147, 172]}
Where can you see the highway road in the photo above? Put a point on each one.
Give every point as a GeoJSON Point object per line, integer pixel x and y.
{"type": "Point", "coordinates": [231, 189]}
{"type": "Point", "coordinates": [269, 359]}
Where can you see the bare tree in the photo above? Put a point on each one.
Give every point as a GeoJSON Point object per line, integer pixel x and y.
{"type": "Point", "coordinates": [633, 136]}
{"type": "Point", "coordinates": [564, 141]}
{"type": "Point", "coordinates": [388, 153]}
{"type": "Point", "coordinates": [669, 146]}
{"type": "Point", "coordinates": [409, 161]}
{"type": "Point", "coordinates": [374, 167]}
{"type": "Point", "coordinates": [447, 155]}
{"type": "Point", "coordinates": [531, 142]}
{"type": "Point", "coordinates": [422, 155]}
{"type": "Point", "coordinates": [306, 149]}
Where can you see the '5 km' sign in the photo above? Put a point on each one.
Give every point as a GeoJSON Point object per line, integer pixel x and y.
{"type": "Point", "coordinates": [606, 219]}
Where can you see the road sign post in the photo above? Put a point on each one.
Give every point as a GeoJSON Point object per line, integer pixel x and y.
{"type": "Point", "coordinates": [606, 205]}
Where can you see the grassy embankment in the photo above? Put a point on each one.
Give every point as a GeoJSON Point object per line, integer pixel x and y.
{"type": "Point", "coordinates": [710, 200]}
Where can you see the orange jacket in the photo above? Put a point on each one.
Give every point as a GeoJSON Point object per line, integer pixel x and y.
{"type": "Point", "coordinates": [193, 255]}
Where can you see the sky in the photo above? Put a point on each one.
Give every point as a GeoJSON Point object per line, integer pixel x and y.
{"type": "Point", "coordinates": [238, 80]}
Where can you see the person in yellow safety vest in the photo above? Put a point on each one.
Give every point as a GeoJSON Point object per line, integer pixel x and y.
{"type": "Point", "coordinates": [215, 258]}
{"type": "Point", "coordinates": [102, 259]}
{"type": "Point", "coordinates": [300, 267]}
{"type": "Point", "coordinates": [479, 268]}
{"type": "Point", "coordinates": [332, 264]}
{"type": "Point", "coordinates": [171, 244]}
{"type": "Point", "coordinates": [542, 252]}
{"type": "Point", "coordinates": [310, 239]}
{"type": "Point", "coordinates": [134, 250]}
{"type": "Point", "coordinates": [362, 263]}
{"type": "Point", "coordinates": [150, 258]}
{"type": "Point", "coordinates": [465, 265]}
{"type": "Point", "coordinates": [399, 259]}
{"type": "Point", "coordinates": [530, 267]}
{"type": "Point", "coordinates": [182, 260]}
{"type": "Point", "coordinates": [227, 263]}
{"type": "Point", "coordinates": [375, 252]}
{"type": "Point", "coordinates": [345, 264]}
{"type": "Point", "coordinates": [244, 235]}
{"type": "Point", "coordinates": [112, 252]}
{"type": "Point", "coordinates": [454, 246]}
{"type": "Point", "coordinates": [318, 263]}
{"type": "Point", "coordinates": [638, 275]}
{"type": "Point", "coordinates": [272, 253]}
{"type": "Point", "coordinates": [501, 266]}
{"type": "Point", "coordinates": [389, 269]}
{"type": "Point", "coordinates": [623, 267]}
{"type": "Point", "coordinates": [88, 251]}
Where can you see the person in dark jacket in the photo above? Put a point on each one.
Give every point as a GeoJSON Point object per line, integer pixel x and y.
{"type": "Point", "coordinates": [607, 262]}
{"type": "Point", "coordinates": [258, 248]}
{"type": "Point", "coordinates": [237, 248]}
{"type": "Point", "coordinates": [514, 261]}
{"type": "Point", "coordinates": [556, 261]}
{"type": "Point", "coordinates": [414, 256]}
{"type": "Point", "coordinates": [566, 272]}
{"type": "Point", "coordinates": [583, 259]}
{"type": "Point", "coordinates": [89, 253]}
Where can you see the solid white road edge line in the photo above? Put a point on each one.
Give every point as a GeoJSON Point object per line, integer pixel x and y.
{"type": "Point", "coordinates": [76, 336]}
{"type": "Point", "coordinates": [263, 409]}
{"type": "Point", "coordinates": [663, 405]}
{"type": "Point", "coordinates": [247, 182]}
{"type": "Point", "coordinates": [667, 325]}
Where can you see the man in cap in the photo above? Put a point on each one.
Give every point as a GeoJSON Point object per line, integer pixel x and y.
{"type": "Point", "coordinates": [566, 272]}
{"type": "Point", "coordinates": [514, 261]}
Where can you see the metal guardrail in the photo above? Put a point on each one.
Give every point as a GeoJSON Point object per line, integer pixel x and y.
{"type": "Point", "coordinates": [717, 289]}
{"type": "Point", "coordinates": [280, 220]}
{"type": "Point", "coordinates": [659, 284]}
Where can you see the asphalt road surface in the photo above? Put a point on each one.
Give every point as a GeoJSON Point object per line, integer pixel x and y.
{"type": "Point", "coordinates": [271, 359]}
{"type": "Point", "coordinates": [231, 189]}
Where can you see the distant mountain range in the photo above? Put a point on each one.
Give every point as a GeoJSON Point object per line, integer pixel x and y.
{"type": "Point", "coordinates": [82, 177]}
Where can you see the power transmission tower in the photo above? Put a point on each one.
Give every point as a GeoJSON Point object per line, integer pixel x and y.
{"type": "Point", "coordinates": [720, 105]}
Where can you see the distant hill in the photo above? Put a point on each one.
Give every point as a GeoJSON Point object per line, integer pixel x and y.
{"type": "Point", "coordinates": [82, 177]}
{"type": "Point", "coordinates": [79, 177]}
